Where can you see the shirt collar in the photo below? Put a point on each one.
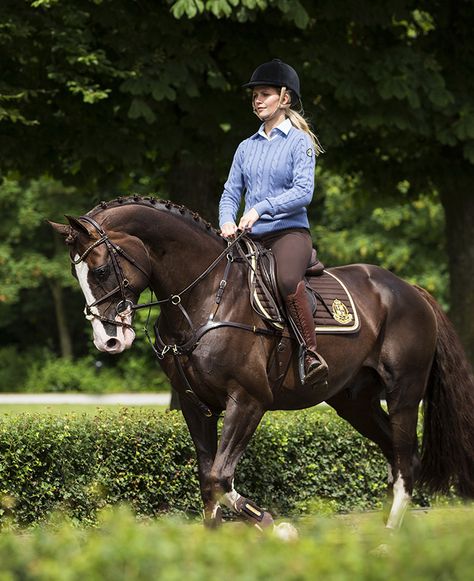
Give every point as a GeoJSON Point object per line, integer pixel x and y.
{"type": "Point", "coordinates": [284, 128]}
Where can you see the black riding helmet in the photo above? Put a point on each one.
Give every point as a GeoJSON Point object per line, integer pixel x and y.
{"type": "Point", "coordinates": [276, 73]}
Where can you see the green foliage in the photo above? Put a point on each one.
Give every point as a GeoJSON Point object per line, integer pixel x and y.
{"type": "Point", "coordinates": [61, 374]}
{"type": "Point", "coordinates": [14, 367]}
{"type": "Point", "coordinates": [405, 235]}
{"type": "Point", "coordinates": [436, 546]}
{"type": "Point", "coordinates": [37, 370]}
{"type": "Point", "coordinates": [81, 464]}
{"type": "Point", "coordinates": [380, 81]}
{"type": "Point", "coordinates": [36, 286]}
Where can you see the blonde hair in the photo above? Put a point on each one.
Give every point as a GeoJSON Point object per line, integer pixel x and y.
{"type": "Point", "coordinates": [298, 121]}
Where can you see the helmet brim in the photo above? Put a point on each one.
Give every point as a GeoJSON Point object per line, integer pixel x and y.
{"type": "Point", "coordinates": [295, 98]}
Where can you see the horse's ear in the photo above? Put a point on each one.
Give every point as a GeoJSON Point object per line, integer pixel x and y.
{"type": "Point", "coordinates": [78, 226]}
{"type": "Point", "coordinates": [62, 229]}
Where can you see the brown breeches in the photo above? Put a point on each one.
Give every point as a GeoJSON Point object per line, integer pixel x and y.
{"type": "Point", "coordinates": [292, 251]}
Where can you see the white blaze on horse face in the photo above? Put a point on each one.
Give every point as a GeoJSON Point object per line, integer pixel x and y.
{"type": "Point", "coordinates": [102, 340]}
{"type": "Point", "coordinates": [401, 500]}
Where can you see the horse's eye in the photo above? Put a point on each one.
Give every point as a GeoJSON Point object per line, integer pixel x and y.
{"type": "Point", "coordinates": [101, 272]}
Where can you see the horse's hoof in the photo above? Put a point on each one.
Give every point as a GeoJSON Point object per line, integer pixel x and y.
{"type": "Point", "coordinates": [285, 531]}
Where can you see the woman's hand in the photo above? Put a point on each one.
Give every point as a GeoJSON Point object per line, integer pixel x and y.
{"type": "Point", "coordinates": [248, 219]}
{"type": "Point", "coordinates": [228, 230]}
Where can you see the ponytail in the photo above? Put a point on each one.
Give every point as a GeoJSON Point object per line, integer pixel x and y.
{"type": "Point", "coordinates": [298, 121]}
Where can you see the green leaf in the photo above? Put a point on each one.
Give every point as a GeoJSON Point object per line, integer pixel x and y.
{"type": "Point", "coordinates": [464, 127]}
{"type": "Point", "coordinates": [300, 17]}
{"type": "Point", "coordinates": [140, 86]}
{"type": "Point", "coordinates": [440, 96]}
{"type": "Point", "coordinates": [139, 108]}
{"type": "Point", "coordinates": [468, 151]}
{"type": "Point", "coordinates": [190, 8]}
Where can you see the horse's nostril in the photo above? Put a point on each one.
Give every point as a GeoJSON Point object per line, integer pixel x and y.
{"type": "Point", "coordinates": [111, 343]}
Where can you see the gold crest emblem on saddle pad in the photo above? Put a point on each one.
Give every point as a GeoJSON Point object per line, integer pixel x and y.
{"type": "Point", "coordinates": [341, 313]}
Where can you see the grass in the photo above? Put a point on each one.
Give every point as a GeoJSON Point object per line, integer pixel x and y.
{"type": "Point", "coordinates": [89, 409]}
{"type": "Point", "coordinates": [64, 409]}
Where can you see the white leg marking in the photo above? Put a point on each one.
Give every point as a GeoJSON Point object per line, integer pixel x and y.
{"type": "Point", "coordinates": [390, 474]}
{"type": "Point", "coordinates": [230, 498]}
{"type": "Point", "coordinates": [285, 531]}
{"type": "Point", "coordinates": [401, 499]}
{"type": "Point", "coordinates": [214, 510]}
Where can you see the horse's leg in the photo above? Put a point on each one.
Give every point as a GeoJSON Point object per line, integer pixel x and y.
{"type": "Point", "coordinates": [242, 416]}
{"type": "Point", "coordinates": [203, 432]}
{"type": "Point", "coordinates": [394, 433]}
{"type": "Point", "coordinates": [363, 411]}
{"type": "Point", "coordinates": [406, 461]}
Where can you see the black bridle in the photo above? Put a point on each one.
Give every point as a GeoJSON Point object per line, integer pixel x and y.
{"type": "Point", "coordinates": [125, 307]}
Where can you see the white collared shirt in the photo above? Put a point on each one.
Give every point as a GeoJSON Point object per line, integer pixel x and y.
{"type": "Point", "coordinates": [284, 127]}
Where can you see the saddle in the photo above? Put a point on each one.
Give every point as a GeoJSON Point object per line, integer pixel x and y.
{"type": "Point", "coordinates": [334, 310]}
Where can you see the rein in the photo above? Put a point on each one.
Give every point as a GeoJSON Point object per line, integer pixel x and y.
{"type": "Point", "coordinates": [163, 348]}
{"type": "Point", "coordinates": [175, 299]}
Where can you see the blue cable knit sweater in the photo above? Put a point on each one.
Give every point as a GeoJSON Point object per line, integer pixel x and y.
{"type": "Point", "coordinates": [277, 176]}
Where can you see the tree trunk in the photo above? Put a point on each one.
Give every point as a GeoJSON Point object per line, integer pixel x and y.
{"type": "Point", "coordinates": [65, 342]}
{"type": "Point", "coordinates": [458, 204]}
{"type": "Point", "coordinates": [194, 183]}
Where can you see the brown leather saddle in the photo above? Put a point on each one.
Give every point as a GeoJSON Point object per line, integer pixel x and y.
{"type": "Point", "coordinates": [334, 310]}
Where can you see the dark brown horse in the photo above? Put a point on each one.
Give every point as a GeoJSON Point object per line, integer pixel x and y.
{"type": "Point", "coordinates": [215, 350]}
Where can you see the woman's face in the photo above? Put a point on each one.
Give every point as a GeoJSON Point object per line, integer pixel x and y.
{"type": "Point", "coordinates": [265, 101]}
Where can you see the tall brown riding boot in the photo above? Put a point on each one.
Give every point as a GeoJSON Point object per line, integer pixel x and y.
{"type": "Point", "coordinates": [315, 368]}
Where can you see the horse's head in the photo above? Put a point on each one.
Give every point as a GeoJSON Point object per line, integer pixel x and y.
{"type": "Point", "coordinates": [112, 269]}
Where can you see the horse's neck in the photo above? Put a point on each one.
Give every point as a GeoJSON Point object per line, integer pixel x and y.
{"type": "Point", "coordinates": [180, 249]}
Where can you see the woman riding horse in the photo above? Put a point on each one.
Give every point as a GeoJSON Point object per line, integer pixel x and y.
{"type": "Point", "coordinates": [216, 351]}
{"type": "Point", "coordinates": [275, 168]}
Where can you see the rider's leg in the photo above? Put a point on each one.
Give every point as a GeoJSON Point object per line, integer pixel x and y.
{"type": "Point", "coordinates": [292, 250]}
{"type": "Point", "coordinates": [315, 368]}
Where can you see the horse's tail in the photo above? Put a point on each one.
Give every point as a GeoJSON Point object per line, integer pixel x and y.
{"type": "Point", "coordinates": [447, 455]}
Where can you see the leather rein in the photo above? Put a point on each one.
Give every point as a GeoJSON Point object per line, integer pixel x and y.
{"type": "Point", "coordinates": [126, 307]}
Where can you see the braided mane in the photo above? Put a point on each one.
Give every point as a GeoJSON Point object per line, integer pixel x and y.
{"type": "Point", "coordinates": [158, 204]}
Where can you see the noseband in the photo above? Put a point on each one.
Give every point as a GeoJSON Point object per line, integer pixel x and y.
{"type": "Point", "coordinates": [125, 307]}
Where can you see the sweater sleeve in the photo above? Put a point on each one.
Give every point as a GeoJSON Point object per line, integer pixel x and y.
{"type": "Point", "coordinates": [233, 189]}
{"type": "Point", "coordinates": [300, 193]}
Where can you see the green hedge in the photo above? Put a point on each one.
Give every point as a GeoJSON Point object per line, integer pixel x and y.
{"type": "Point", "coordinates": [429, 547]}
{"type": "Point", "coordinates": [80, 464]}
